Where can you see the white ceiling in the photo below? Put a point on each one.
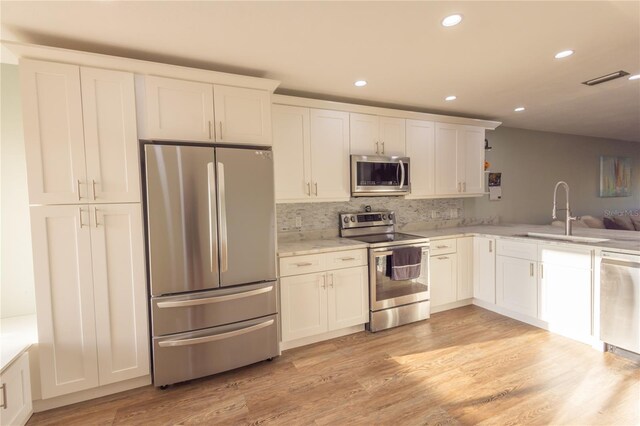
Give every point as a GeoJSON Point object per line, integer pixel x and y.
{"type": "Point", "coordinates": [498, 58]}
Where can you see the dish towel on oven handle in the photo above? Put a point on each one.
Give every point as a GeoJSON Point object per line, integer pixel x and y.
{"type": "Point", "coordinates": [406, 263]}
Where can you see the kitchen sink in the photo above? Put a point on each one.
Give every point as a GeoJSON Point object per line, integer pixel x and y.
{"type": "Point", "coordinates": [561, 237]}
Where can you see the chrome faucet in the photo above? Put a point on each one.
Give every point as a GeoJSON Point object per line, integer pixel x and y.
{"type": "Point", "coordinates": [569, 218]}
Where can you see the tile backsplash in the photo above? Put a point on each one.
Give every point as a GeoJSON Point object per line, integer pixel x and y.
{"type": "Point", "coordinates": [316, 220]}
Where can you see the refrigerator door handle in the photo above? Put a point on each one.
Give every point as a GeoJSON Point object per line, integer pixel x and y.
{"type": "Point", "coordinates": [215, 337]}
{"type": "Point", "coordinates": [222, 214]}
{"type": "Point", "coordinates": [215, 299]}
{"type": "Point", "coordinates": [213, 250]}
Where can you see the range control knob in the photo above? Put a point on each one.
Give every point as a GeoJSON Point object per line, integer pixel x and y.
{"type": "Point", "coordinates": [346, 219]}
{"type": "Point", "coordinates": [353, 218]}
{"type": "Point", "coordinates": [384, 217]}
{"type": "Point", "coordinates": [390, 216]}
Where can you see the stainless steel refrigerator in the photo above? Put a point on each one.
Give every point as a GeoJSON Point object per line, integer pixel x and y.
{"type": "Point", "coordinates": [210, 216]}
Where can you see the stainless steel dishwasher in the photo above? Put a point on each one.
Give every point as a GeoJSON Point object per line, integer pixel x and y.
{"type": "Point", "coordinates": [620, 300]}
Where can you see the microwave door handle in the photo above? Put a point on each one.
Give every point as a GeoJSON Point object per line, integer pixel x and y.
{"type": "Point", "coordinates": [402, 174]}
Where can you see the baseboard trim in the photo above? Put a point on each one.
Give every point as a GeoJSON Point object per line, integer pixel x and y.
{"type": "Point", "coordinates": [320, 337]}
{"type": "Point", "coordinates": [452, 305]}
{"type": "Point", "coordinates": [40, 405]}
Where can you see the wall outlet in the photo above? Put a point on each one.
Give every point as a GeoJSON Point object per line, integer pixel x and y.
{"type": "Point", "coordinates": [298, 221]}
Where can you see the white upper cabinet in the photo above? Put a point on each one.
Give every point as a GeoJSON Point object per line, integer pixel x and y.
{"type": "Point", "coordinates": [420, 137]}
{"type": "Point", "coordinates": [329, 132]}
{"type": "Point", "coordinates": [459, 159]}
{"type": "Point", "coordinates": [311, 154]}
{"type": "Point", "coordinates": [54, 141]}
{"type": "Point", "coordinates": [110, 136]}
{"type": "Point", "coordinates": [374, 135]}
{"type": "Point", "coordinates": [80, 134]}
{"type": "Point", "coordinates": [181, 110]}
{"type": "Point", "coordinates": [291, 153]}
{"type": "Point", "coordinates": [242, 115]}
{"type": "Point", "coordinates": [178, 110]}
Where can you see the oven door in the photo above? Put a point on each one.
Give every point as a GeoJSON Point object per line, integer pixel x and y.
{"type": "Point", "coordinates": [386, 293]}
{"type": "Point", "coordinates": [375, 175]}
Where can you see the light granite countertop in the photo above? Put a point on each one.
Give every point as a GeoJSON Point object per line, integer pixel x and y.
{"type": "Point", "coordinates": [620, 241]}
{"type": "Point", "coordinates": [324, 245]}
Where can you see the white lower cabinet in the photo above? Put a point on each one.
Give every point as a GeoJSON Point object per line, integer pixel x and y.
{"type": "Point", "coordinates": [484, 269]}
{"type": "Point", "coordinates": [451, 273]}
{"type": "Point", "coordinates": [15, 391]}
{"type": "Point", "coordinates": [332, 299]}
{"type": "Point", "coordinates": [90, 295]}
{"type": "Point", "coordinates": [565, 291]}
{"type": "Point", "coordinates": [517, 285]}
{"type": "Point", "coordinates": [465, 268]}
{"type": "Point", "coordinates": [444, 279]}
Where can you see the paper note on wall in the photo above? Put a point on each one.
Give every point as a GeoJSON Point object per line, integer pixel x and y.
{"type": "Point", "coordinates": [495, 193]}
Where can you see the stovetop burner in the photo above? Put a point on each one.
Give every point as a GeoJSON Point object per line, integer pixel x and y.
{"type": "Point", "coordinates": [375, 228]}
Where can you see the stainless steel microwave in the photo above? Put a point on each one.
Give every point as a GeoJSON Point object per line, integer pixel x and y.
{"type": "Point", "coordinates": [373, 175]}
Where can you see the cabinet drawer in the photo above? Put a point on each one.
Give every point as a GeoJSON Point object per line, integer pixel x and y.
{"type": "Point", "coordinates": [517, 249]}
{"type": "Point", "coordinates": [439, 247]}
{"type": "Point", "coordinates": [345, 259]}
{"type": "Point", "coordinates": [296, 265]}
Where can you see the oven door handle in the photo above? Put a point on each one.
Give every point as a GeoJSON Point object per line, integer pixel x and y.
{"type": "Point", "coordinates": [382, 253]}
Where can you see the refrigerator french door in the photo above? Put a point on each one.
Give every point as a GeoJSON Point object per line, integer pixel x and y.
{"type": "Point", "coordinates": [210, 216]}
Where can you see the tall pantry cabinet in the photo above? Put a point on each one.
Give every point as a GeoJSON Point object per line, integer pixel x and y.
{"type": "Point", "coordinates": [86, 223]}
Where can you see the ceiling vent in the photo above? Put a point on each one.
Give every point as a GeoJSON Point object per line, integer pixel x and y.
{"type": "Point", "coordinates": [605, 78]}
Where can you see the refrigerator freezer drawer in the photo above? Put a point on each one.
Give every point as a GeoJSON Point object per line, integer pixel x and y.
{"type": "Point", "coordinates": [194, 311]}
{"type": "Point", "coordinates": [187, 356]}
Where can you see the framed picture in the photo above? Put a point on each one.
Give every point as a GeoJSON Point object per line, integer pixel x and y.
{"type": "Point", "coordinates": [615, 176]}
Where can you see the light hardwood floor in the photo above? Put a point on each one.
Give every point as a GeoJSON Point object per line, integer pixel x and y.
{"type": "Point", "coordinates": [464, 366]}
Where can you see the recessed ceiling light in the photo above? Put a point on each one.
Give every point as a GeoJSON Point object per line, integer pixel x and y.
{"type": "Point", "coordinates": [564, 54]}
{"type": "Point", "coordinates": [360, 83]}
{"type": "Point", "coordinates": [519, 109]}
{"type": "Point", "coordinates": [450, 98]}
{"type": "Point", "coordinates": [634, 77]}
{"type": "Point", "coordinates": [451, 20]}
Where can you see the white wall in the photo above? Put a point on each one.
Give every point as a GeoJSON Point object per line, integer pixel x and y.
{"type": "Point", "coordinates": [532, 162]}
{"type": "Point", "coordinates": [16, 275]}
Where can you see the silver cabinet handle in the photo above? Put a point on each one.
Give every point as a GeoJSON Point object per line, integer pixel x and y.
{"type": "Point", "coordinates": [213, 248]}
{"type": "Point", "coordinates": [442, 247]}
{"type": "Point", "coordinates": [316, 185]}
{"type": "Point", "coordinates": [401, 169]}
{"type": "Point", "coordinates": [344, 259]}
{"type": "Point", "coordinates": [78, 188]}
{"type": "Point", "coordinates": [490, 246]}
{"type": "Point", "coordinates": [95, 216]}
{"type": "Point", "coordinates": [443, 257]}
{"type": "Point", "coordinates": [4, 395]}
{"type": "Point", "coordinates": [309, 188]}
{"type": "Point", "coordinates": [82, 225]}
{"type": "Point", "coordinates": [331, 281]}
{"type": "Point", "coordinates": [377, 147]}
{"type": "Point", "coordinates": [531, 269]}
{"type": "Point", "coordinates": [221, 134]}
{"type": "Point", "coordinates": [214, 299]}
{"type": "Point", "coordinates": [216, 337]}
{"type": "Point", "coordinates": [541, 271]}
{"type": "Point", "coordinates": [464, 186]}
{"type": "Point", "coordinates": [222, 214]}
{"type": "Point", "coordinates": [93, 188]}
{"type": "Point", "coordinates": [323, 282]}
{"type": "Point", "coordinates": [303, 264]}
{"type": "Point", "coordinates": [383, 147]}
{"type": "Point", "coordinates": [209, 125]}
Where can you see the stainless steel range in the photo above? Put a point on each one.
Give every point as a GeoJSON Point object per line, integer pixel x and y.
{"type": "Point", "coordinates": [391, 302]}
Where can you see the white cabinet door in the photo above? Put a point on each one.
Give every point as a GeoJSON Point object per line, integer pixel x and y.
{"type": "Point", "coordinates": [484, 269]}
{"type": "Point", "coordinates": [446, 174]}
{"type": "Point", "coordinates": [471, 160]}
{"type": "Point", "coordinates": [420, 137]}
{"type": "Point", "coordinates": [178, 109]}
{"type": "Point", "coordinates": [348, 297]}
{"type": "Point", "coordinates": [303, 301]}
{"type": "Point", "coordinates": [444, 273]}
{"type": "Point", "coordinates": [16, 392]}
{"type": "Point", "coordinates": [364, 134]}
{"type": "Point", "coordinates": [329, 131]}
{"type": "Point", "coordinates": [54, 140]}
{"type": "Point", "coordinates": [392, 136]}
{"type": "Point", "coordinates": [291, 153]}
{"type": "Point", "coordinates": [243, 116]}
{"type": "Point", "coordinates": [565, 290]}
{"type": "Point", "coordinates": [64, 299]}
{"type": "Point", "coordinates": [110, 136]}
{"type": "Point", "coordinates": [516, 285]}
{"type": "Point", "coordinates": [120, 291]}
{"type": "Point", "coordinates": [465, 268]}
